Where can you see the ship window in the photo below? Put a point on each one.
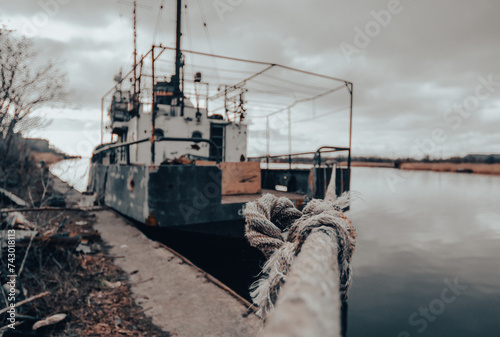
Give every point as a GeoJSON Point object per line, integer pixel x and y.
{"type": "Point", "coordinates": [164, 100]}
{"type": "Point", "coordinates": [159, 133]}
{"type": "Point", "coordinates": [197, 134]}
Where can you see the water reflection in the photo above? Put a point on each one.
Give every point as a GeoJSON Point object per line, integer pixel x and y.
{"type": "Point", "coordinates": [73, 171]}
{"type": "Point", "coordinates": [430, 228]}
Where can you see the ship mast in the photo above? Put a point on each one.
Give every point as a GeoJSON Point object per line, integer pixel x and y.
{"type": "Point", "coordinates": [135, 47]}
{"type": "Point", "coordinates": [178, 54]}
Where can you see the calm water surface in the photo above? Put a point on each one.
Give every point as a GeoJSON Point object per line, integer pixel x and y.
{"type": "Point", "coordinates": [418, 232]}
{"type": "Point", "coordinates": [428, 231]}
{"type": "Point", "coordinates": [73, 171]}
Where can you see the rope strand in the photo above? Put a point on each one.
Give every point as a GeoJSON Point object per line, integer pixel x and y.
{"type": "Point", "coordinates": [278, 230]}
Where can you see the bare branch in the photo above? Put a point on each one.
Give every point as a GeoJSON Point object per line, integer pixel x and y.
{"type": "Point", "coordinates": [24, 86]}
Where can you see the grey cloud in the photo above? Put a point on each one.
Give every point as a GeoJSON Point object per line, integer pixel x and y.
{"type": "Point", "coordinates": [426, 60]}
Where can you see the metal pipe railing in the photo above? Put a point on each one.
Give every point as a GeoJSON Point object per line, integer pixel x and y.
{"type": "Point", "coordinates": [218, 157]}
{"type": "Point", "coordinates": [318, 152]}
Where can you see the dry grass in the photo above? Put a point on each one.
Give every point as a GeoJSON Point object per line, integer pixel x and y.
{"type": "Point", "coordinates": [83, 286]}
{"type": "Point", "coordinates": [451, 167]}
{"type": "Point", "coordinates": [49, 158]}
{"type": "Point", "coordinates": [366, 164]}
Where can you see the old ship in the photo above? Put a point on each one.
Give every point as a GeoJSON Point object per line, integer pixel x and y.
{"type": "Point", "coordinates": [177, 162]}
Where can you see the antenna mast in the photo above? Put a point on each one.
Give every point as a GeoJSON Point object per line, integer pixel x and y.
{"type": "Point", "coordinates": [178, 53]}
{"type": "Point", "coordinates": [135, 46]}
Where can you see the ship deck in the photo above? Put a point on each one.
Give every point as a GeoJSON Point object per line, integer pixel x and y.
{"type": "Point", "coordinates": [244, 198]}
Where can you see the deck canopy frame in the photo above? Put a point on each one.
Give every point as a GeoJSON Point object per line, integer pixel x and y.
{"type": "Point", "coordinates": [153, 57]}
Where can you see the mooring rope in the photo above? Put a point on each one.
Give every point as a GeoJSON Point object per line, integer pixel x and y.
{"type": "Point", "coordinates": [278, 229]}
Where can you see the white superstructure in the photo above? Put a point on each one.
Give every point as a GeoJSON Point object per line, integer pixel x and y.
{"type": "Point", "coordinates": [134, 123]}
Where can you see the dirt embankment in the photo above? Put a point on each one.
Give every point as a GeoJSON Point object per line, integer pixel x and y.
{"type": "Point", "coordinates": [65, 271]}
{"type": "Point", "coordinates": [452, 167]}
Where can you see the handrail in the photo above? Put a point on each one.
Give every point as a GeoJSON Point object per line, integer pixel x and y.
{"type": "Point", "coordinates": [333, 149]}
{"type": "Point", "coordinates": [218, 157]}
{"type": "Point", "coordinates": [114, 145]}
{"type": "Point", "coordinates": [317, 153]}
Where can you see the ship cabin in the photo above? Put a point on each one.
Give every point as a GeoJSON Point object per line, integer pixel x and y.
{"type": "Point", "coordinates": [133, 122]}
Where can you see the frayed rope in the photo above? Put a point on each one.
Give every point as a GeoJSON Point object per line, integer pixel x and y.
{"type": "Point", "coordinates": [278, 230]}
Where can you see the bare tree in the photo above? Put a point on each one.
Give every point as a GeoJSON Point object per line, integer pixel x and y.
{"type": "Point", "coordinates": [25, 86]}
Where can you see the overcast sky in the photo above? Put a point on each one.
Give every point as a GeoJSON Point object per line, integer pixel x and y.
{"type": "Point", "coordinates": [426, 73]}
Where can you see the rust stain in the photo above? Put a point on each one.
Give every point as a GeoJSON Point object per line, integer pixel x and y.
{"type": "Point", "coordinates": [299, 203]}
{"type": "Point", "coordinates": [311, 182]}
{"type": "Point", "coordinates": [151, 220]}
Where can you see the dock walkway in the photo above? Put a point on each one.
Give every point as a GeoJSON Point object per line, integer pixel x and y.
{"type": "Point", "coordinates": [178, 297]}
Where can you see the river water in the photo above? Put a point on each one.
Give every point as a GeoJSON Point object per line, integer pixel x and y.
{"type": "Point", "coordinates": [74, 171]}
{"type": "Point", "coordinates": [427, 261]}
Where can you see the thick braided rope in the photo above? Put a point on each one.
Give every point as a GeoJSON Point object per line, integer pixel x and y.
{"type": "Point", "coordinates": [267, 219]}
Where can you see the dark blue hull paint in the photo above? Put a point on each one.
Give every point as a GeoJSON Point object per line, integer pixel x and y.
{"type": "Point", "coordinates": [166, 196]}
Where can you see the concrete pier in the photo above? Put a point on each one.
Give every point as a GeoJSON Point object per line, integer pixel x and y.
{"type": "Point", "coordinates": [178, 296]}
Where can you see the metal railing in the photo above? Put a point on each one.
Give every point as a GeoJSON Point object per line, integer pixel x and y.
{"type": "Point", "coordinates": [100, 151]}
{"type": "Point", "coordinates": [317, 155]}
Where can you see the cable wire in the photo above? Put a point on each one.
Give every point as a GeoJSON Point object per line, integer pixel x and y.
{"type": "Point", "coordinates": [158, 21]}
{"type": "Point", "coordinates": [207, 34]}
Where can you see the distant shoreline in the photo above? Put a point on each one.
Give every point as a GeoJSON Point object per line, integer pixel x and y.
{"type": "Point", "coordinates": [367, 164]}
{"type": "Point", "coordinates": [477, 168]}
{"type": "Point", "coordinates": [474, 168]}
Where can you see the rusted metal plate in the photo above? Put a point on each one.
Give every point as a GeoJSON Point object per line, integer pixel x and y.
{"type": "Point", "coordinates": [187, 195]}
{"type": "Point", "coordinates": [165, 196]}
{"type": "Point", "coordinates": [295, 180]}
{"type": "Point", "coordinates": [126, 190]}
{"type": "Point", "coordinates": [342, 180]}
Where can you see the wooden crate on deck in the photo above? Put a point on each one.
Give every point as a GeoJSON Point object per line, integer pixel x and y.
{"type": "Point", "coordinates": [241, 178]}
